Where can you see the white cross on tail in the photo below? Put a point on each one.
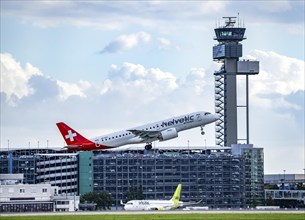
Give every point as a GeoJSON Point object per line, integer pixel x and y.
{"type": "Point", "coordinates": [70, 135]}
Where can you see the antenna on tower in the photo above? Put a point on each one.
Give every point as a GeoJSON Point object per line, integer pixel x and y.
{"type": "Point", "coordinates": [229, 22]}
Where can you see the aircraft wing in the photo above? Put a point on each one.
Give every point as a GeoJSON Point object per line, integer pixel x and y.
{"type": "Point", "coordinates": [184, 204]}
{"type": "Point", "coordinates": [145, 134]}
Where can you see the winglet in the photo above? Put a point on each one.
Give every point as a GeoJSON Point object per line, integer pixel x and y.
{"type": "Point", "coordinates": [176, 196]}
{"type": "Point", "coordinates": [199, 201]}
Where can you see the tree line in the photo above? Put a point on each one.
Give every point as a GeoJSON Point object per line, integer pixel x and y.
{"type": "Point", "coordinates": [103, 199]}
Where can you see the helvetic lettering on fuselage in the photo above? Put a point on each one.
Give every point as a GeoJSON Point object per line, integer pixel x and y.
{"type": "Point", "coordinates": [184, 120]}
{"type": "Point", "coordinates": [162, 131]}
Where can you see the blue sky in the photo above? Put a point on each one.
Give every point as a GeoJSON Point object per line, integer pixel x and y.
{"type": "Point", "coordinates": [103, 66]}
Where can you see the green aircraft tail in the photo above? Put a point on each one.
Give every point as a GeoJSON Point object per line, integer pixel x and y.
{"type": "Point", "coordinates": [176, 196]}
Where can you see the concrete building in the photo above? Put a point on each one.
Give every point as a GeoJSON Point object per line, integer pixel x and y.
{"type": "Point", "coordinates": [43, 166]}
{"type": "Point", "coordinates": [285, 190]}
{"type": "Point", "coordinates": [290, 179]}
{"type": "Point", "coordinates": [18, 197]}
{"type": "Point", "coordinates": [58, 169]}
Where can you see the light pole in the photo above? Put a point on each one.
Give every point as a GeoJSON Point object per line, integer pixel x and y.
{"type": "Point", "coordinates": [284, 174]}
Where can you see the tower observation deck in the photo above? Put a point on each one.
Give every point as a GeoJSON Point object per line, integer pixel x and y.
{"type": "Point", "coordinates": [228, 51]}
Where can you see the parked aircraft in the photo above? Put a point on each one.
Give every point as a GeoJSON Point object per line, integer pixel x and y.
{"type": "Point", "coordinates": [161, 130]}
{"type": "Point", "coordinates": [145, 205]}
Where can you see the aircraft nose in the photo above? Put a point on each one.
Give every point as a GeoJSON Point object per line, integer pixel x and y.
{"type": "Point", "coordinates": [215, 117]}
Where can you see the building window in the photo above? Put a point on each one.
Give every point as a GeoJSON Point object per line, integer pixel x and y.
{"type": "Point", "coordinates": [22, 190]}
{"type": "Point", "coordinates": [44, 190]}
{"type": "Point", "coordinates": [62, 202]}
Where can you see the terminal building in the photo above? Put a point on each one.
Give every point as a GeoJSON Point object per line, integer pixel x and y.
{"type": "Point", "coordinates": [220, 177]}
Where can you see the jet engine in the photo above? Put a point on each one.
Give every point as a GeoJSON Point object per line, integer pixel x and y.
{"type": "Point", "coordinates": [168, 134]}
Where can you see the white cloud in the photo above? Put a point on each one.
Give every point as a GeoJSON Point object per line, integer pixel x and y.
{"type": "Point", "coordinates": [135, 82]}
{"type": "Point", "coordinates": [72, 89]}
{"type": "Point", "coordinates": [15, 78]}
{"type": "Point", "coordinates": [279, 77]}
{"type": "Point", "coordinates": [164, 44]}
{"type": "Point", "coordinates": [196, 79]}
{"type": "Point", "coordinates": [277, 102]}
{"type": "Point", "coordinates": [16, 82]}
{"type": "Point", "coordinates": [278, 74]}
{"type": "Point", "coordinates": [126, 42]}
{"type": "Point", "coordinates": [136, 85]}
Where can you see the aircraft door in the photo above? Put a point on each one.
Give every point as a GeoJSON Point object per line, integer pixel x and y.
{"type": "Point", "coordinates": [198, 117]}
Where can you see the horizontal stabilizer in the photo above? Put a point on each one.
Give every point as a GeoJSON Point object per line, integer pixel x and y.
{"type": "Point", "coordinates": [72, 146]}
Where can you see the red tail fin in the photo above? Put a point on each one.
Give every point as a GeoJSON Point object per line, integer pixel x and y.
{"type": "Point", "coordinates": [72, 137]}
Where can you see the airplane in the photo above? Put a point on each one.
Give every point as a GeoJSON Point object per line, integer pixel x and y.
{"type": "Point", "coordinates": [146, 205]}
{"type": "Point", "coordinates": [161, 130]}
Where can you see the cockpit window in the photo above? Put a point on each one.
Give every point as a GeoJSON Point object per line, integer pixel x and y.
{"type": "Point", "coordinates": [207, 113]}
{"type": "Point", "coordinates": [129, 203]}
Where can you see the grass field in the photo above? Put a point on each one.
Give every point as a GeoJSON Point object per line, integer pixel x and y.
{"type": "Point", "coordinates": [258, 216]}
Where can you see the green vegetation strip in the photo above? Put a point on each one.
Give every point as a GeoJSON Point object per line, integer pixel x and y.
{"type": "Point", "coordinates": [271, 216]}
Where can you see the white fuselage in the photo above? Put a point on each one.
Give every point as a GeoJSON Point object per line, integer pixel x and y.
{"type": "Point", "coordinates": [146, 205]}
{"type": "Point", "coordinates": [165, 127]}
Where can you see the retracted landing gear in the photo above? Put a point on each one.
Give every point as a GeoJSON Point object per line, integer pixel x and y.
{"type": "Point", "coordinates": [148, 146]}
{"type": "Point", "coordinates": [202, 132]}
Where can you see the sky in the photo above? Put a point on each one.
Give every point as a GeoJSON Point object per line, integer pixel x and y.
{"type": "Point", "coordinates": [105, 66]}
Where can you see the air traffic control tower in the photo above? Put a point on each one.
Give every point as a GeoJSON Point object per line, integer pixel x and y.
{"type": "Point", "coordinates": [228, 51]}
